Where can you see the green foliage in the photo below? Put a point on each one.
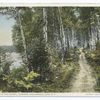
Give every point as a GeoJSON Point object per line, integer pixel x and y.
{"type": "Point", "coordinates": [98, 45]}
{"type": "Point", "coordinates": [4, 67]}
{"type": "Point", "coordinates": [20, 80]}
{"type": "Point", "coordinates": [15, 74]}
{"type": "Point", "coordinates": [36, 51]}
{"type": "Point", "coordinates": [44, 57]}
{"type": "Point", "coordinates": [61, 78]}
{"type": "Point", "coordinates": [31, 76]}
{"type": "Point", "coordinates": [27, 82]}
{"type": "Point", "coordinates": [17, 39]}
{"type": "Point", "coordinates": [93, 58]}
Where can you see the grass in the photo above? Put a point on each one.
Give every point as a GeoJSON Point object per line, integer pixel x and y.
{"type": "Point", "coordinates": [94, 60]}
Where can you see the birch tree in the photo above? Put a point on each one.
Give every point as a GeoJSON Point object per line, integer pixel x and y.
{"type": "Point", "coordinates": [22, 34]}
{"type": "Point", "coordinates": [62, 34]}
{"type": "Point", "coordinates": [45, 24]}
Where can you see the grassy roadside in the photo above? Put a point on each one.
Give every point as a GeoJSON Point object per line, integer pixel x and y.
{"type": "Point", "coordinates": [93, 58]}
{"type": "Point", "coordinates": [62, 83]}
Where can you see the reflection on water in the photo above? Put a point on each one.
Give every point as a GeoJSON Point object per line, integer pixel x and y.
{"type": "Point", "coordinates": [15, 58]}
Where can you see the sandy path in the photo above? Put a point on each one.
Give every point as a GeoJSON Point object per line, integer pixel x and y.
{"type": "Point", "coordinates": [84, 81]}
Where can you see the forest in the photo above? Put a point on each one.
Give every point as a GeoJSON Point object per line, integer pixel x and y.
{"type": "Point", "coordinates": [59, 48]}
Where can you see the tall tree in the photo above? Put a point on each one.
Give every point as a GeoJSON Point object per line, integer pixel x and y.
{"type": "Point", "coordinates": [62, 33]}
{"type": "Point", "coordinates": [45, 24]}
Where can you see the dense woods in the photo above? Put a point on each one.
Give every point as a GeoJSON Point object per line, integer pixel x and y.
{"type": "Point", "coordinates": [49, 40]}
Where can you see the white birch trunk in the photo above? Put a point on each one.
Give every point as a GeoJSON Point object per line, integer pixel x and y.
{"type": "Point", "coordinates": [45, 24]}
{"type": "Point", "coordinates": [62, 34]}
{"type": "Point", "coordinates": [23, 36]}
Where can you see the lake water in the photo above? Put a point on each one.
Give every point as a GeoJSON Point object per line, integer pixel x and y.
{"type": "Point", "coordinates": [15, 58]}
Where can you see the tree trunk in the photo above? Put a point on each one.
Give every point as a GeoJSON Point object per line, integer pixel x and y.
{"type": "Point", "coordinates": [45, 24]}
{"type": "Point", "coordinates": [23, 40]}
{"type": "Point", "coordinates": [62, 35]}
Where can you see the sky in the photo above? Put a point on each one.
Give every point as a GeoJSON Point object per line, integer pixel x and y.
{"type": "Point", "coordinates": [5, 30]}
